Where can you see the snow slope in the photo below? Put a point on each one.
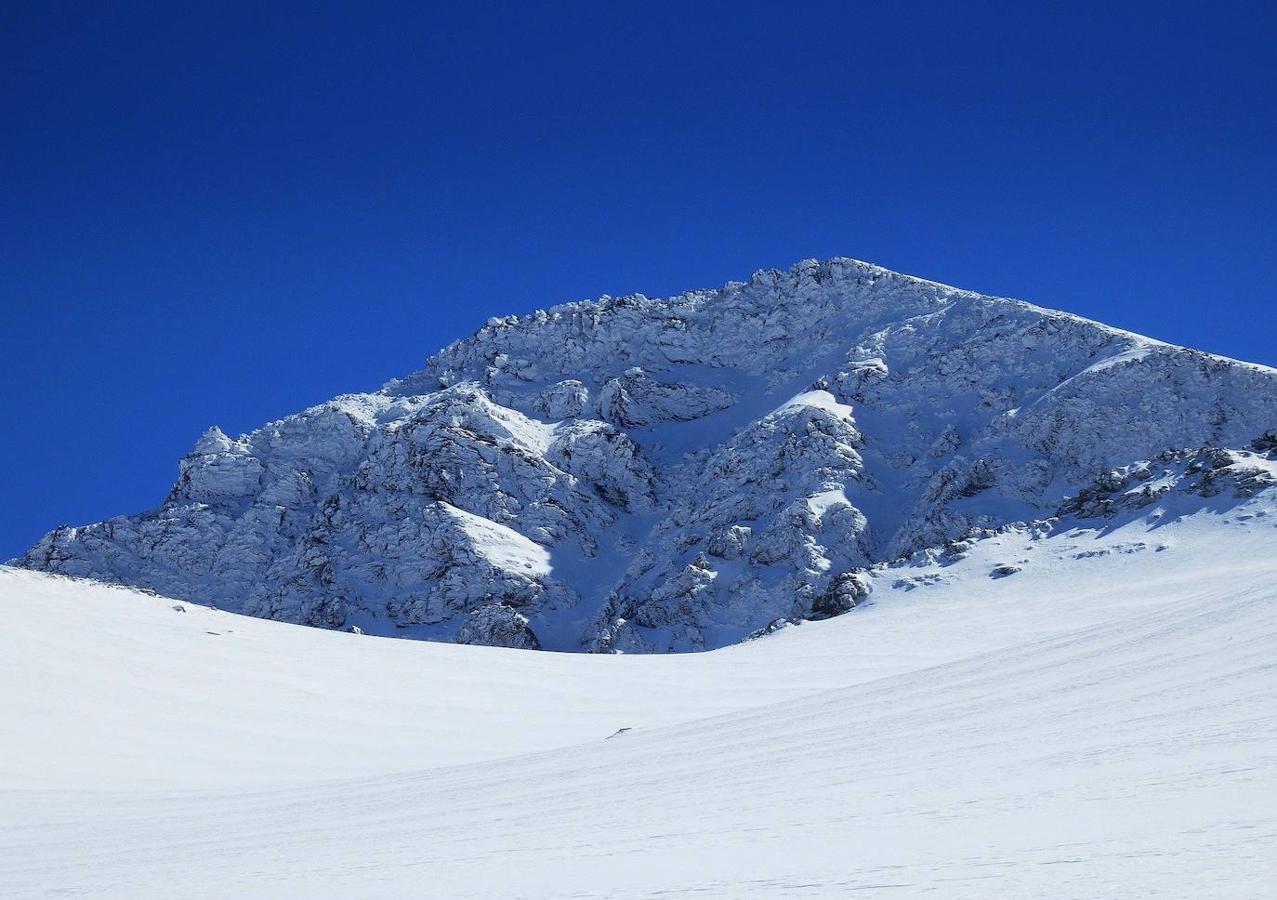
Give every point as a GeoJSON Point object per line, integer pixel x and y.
{"type": "Point", "coordinates": [1100, 722]}
{"type": "Point", "coordinates": [651, 475]}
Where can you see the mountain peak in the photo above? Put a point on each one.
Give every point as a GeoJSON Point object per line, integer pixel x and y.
{"type": "Point", "coordinates": [631, 473]}
{"type": "Point", "coordinates": [214, 440]}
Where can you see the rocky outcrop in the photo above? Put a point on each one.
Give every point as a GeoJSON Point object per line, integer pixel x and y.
{"type": "Point", "coordinates": [497, 626]}
{"type": "Point", "coordinates": [636, 399]}
{"type": "Point", "coordinates": [1204, 473]}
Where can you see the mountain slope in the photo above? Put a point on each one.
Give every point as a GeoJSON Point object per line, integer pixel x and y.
{"type": "Point", "coordinates": [1098, 723]}
{"type": "Point", "coordinates": [648, 475]}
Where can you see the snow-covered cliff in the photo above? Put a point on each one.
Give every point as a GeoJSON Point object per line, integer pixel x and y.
{"type": "Point", "coordinates": [650, 475]}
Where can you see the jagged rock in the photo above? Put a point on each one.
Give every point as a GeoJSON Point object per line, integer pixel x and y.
{"type": "Point", "coordinates": [635, 474]}
{"type": "Point", "coordinates": [497, 626]}
{"type": "Point", "coordinates": [635, 399]}
{"type": "Point", "coordinates": [1266, 442]}
{"type": "Point", "coordinates": [772, 628]}
{"type": "Point", "coordinates": [563, 400]}
{"type": "Point", "coordinates": [1204, 472]}
{"type": "Point", "coordinates": [607, 461]}
{"type": "Point", "coordinates": [843, 595]}
{"type": "Point", "coordinates": [729, 543]}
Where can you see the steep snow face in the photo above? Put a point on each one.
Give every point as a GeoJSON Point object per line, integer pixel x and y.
{"type": "Point", "coordinates": [653, 475]}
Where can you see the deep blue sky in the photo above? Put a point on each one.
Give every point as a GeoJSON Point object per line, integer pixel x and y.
{"type": "Point", "coordinates": [224, 215]}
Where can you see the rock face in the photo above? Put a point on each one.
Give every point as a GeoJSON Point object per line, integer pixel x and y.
{"type": "Point", "coordinates": [497, 626]}
{"type": "Point", "coordinates": [631, 474]}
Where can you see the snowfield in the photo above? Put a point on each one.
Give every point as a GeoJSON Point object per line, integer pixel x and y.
{"type": "Point", "coordinates": [1100, 723]}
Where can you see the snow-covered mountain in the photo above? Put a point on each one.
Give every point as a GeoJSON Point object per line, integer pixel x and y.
{"type": "Point", "coordinates": [1062, 684]}
{"type": "Point", "coordinates": [648, 475]}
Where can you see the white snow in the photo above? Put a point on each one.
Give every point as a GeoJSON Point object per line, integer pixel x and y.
{"type": "Point", "coordinates": [501, 545]}
{"type": "Point", "coordinates": [819, 399]}
{"type": "Point", "coordinates": [1100, 724]}
{"type": "Point", "coordinates": [825, 500]}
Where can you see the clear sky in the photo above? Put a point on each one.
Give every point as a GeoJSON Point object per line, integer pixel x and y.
{"type": "Point", "coordinates": [223, 214]}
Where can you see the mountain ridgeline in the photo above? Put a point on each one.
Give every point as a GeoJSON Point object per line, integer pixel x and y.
{"type": "Point", "coordinates": [649, 475]}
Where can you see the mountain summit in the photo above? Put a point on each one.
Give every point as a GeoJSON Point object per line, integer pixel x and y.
{"type": "Point", "coordinates": [636, 474]}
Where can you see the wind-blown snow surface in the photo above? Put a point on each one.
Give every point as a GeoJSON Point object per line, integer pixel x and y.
{"type": "Point", "coordinates": [648, 475]}
{"type": "Point", "coordinates": [1100, 722]}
